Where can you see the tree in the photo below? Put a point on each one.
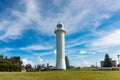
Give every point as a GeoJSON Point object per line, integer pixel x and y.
{"type": "Point", "coordinates": [67, 62]}
{"type": "Point", "coordinates": [107, 61]}
{"type": "Point", "coordinates": [16, 60]}
{"type": "Point", "coordinates": [1, 57]}
{"type": "Point", "coordinates": [28, 67]}
{"type": "Point", "coordinates": [10, 64]}
{"type": "Point", "coordinates": [6, 65]}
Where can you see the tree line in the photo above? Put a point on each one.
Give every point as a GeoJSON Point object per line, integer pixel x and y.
{"type": "Point", "coordinates": [15, 64]}
{"type": "Point", "coordinates": [10, 64]}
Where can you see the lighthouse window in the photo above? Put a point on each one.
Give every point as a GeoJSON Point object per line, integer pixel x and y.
{"type": "Point", "coordinates": [60, 26]}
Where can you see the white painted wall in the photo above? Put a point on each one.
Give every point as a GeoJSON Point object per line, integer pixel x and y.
{"type": "Point", "coordinates": [60, 45]}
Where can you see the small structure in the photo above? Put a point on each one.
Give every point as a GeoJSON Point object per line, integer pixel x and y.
{"type": "Point", "coordinates": [23, 69]}
{"type": "Point", "coordinates": [114, 64]}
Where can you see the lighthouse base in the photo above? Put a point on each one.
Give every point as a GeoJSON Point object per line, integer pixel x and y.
{"type": "Point", "coordinates": [61, 69]}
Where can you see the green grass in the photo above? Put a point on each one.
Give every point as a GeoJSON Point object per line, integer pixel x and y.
{"type": "Point", "coordinates": [61, 75]}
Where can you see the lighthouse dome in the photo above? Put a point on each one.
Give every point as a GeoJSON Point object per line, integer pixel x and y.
{"type": "Point", "coordinates": [60, 26]}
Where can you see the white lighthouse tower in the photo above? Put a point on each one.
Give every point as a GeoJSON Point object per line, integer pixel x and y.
{"type": "Point", "coordinates": [60, 45]}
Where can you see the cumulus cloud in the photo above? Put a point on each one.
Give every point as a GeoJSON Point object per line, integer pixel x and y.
{"type": "Point", "coordinates": [83, 52]}
{"type": "Point", "coordinates": [54, 52]}
{"type": "Point", "coordinates": [26, 61]}
{"type": "Point", "coordinates": [45, 61]}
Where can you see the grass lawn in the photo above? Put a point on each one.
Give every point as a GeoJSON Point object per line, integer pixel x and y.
{"type": "Point", "coordinates": [61, 75]}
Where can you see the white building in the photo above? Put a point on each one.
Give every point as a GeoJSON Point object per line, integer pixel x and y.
{"type": "Point", "coordinates": [60, 45]}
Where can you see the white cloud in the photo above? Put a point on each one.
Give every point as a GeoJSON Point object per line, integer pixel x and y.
{"type": "Point", "coordinates": [6, 49]}
{"type": "Point", "coordinates": [54, 52]}
{"type": "Point", "coordinates": [36, 47]}
{"type": "Point", "coordinates": [3, 25]}
{"type": "Point", "coordinates": [74, 44]}
{"type": "Point", "coordinates": [76, 16]}
{"type": "Point", "coordinates": [77, 57]}
{"type": "Point", "coordinates": [109, 5]}
{"type": "Point", "coordinates": [83, 52]}
{"type": "Point", "coordinates": [12, 33]}
{"type": "Point", "coordinates": [26, 61]}
{"type": "Point", "coordinates": [45, 61]}
{"type": "Point", "coordinates": [42, 53]}
{"type": "Point", "coordinates": [10, 30]}
{"type": "Point", "coordinates": [77, 41]}
{"type": "Point", "coordinates": [83, 64]}
{"type": "Point", "coordinates": [86, 62]}
{"type": "Point", "coordinates": [110, 40]}
{"type": "Point", "coordinates": [13, 29]}
{"type": "Point", "coordinates": [40, 60]}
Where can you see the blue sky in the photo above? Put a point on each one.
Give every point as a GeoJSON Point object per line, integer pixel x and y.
{"type": "Point", "coordinates": [27, 30]}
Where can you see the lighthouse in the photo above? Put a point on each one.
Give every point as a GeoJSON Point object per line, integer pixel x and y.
{"type": "Point", "coordinates": [60, 47]}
